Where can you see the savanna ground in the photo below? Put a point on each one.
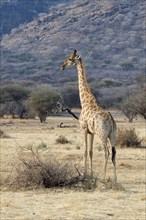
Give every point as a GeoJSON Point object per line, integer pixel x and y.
{"type": "Point", "coordinates": [129, 202]}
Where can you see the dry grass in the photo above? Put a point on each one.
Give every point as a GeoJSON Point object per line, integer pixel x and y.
{"type": "Point", "coordinates": [79, 201]}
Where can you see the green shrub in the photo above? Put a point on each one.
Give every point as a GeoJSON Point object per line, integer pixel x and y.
{"type": "Point", "coordinates": [128, 138]}
{"type": "Point", "coordinates": [42, 145]}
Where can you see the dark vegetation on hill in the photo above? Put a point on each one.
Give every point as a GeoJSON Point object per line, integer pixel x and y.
{"type": "Point", "coordinates": [108, 34]}
{"type": "Point", "coordinates": [15, 12]}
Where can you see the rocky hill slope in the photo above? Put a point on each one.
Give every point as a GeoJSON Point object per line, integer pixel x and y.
{"type": "Point", "coordinates": [15, 12]}
{"type": "Point", "coordinates": [108, 34]}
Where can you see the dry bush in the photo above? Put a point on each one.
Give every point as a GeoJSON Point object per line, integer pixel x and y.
{"type": "Point", "coordinates": [62, 140]}
{"type": "Point", "coordinates": [128, 138]}
{"type": "Point", "coordinates": [33, 172]}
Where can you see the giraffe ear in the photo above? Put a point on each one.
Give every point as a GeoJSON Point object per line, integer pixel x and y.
{"type": "Point", "coordinates": [75, 52]}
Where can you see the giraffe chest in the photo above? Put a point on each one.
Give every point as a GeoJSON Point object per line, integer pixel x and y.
{"type": "Point", "coordinates": [87, 120]}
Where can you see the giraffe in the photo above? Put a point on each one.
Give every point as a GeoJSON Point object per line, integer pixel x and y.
{"type": "Point", "coordinates": [93, 119]}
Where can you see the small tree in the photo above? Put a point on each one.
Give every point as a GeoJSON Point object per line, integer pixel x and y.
{"type": "Point", "coordinates": [44, 100]}
{"type": "Point", "coordinates": [12, 98]}
{"type": "Point", "coordinates": [126, 109]}
{"type": "Point", "coordinates": [13, 92]}
{"type": "Point", "coordinates": [136, 103]}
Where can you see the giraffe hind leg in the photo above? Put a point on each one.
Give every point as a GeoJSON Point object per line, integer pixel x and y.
{"type": "Point", "coordinates": [114, 162]}
{"type": "Point", "coordinates": [114, 155]}
{"type": "Point", "coordinates": [112, 143]}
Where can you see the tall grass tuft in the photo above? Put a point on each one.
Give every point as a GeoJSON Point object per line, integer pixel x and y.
{"type": "Point", "coordinates": [128, 138]}
{"type": "Point", "coordinates": [62, 140]}
{"type": "Point", "coordinates": [3, 135]}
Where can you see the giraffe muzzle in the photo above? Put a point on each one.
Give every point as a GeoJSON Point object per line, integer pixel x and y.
{"type": "Point", "coordinates": [62, 68]}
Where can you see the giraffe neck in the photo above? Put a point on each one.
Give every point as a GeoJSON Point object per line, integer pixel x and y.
{"type": "Point", "coordinates": [86, 97]}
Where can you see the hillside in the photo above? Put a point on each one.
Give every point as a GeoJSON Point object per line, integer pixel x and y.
{"type": "Point", "coordinates": [108, 34]}
{"type": "Point", "coordinates": [16, 12]}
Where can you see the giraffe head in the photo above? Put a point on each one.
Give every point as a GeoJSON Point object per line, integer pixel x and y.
{"type": "Point", "coordinates": [71, 60]}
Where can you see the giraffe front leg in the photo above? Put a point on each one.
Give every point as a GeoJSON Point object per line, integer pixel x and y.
{"type": "Point", "coordinates": [91, 139]}
{"type": "Point", "coordinates": [86, 152]}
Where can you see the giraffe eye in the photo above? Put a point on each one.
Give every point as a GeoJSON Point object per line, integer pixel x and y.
{"type": "Point", "coordinates": [78, 57]}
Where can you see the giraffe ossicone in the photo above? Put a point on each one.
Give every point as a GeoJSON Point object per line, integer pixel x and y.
{"type": "Point", "coordinates": [93, 119]}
